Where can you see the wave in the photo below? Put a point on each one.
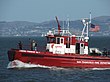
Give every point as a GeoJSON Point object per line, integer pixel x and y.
{"type": "Point", "coordinates": [20, 64]}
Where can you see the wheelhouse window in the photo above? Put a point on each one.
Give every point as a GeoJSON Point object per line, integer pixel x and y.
{"type": "Point", "coordinates": [61, 40]}
{"type": "Point", "coordinates": [58, 40]}
{"type": "Point", "coordinates": [82, 45]}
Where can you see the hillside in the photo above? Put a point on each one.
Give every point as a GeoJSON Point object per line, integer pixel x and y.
{"type": "Point", "coordinates": [25, 28]}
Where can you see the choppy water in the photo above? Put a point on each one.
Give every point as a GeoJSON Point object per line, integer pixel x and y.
{"type": "Point", "coordinates": [49, 74]}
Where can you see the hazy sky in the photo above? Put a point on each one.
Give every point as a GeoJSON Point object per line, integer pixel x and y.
{"type": "Point", "coordinates": [44, 10]}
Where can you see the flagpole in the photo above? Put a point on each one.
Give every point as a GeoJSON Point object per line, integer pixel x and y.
{"type": "Point", "coordinates": [89, 22]}
{"type": "Point", "coordinates": [87, 29]}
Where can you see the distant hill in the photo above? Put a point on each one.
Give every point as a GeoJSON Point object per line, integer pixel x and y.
{"type": "Point", "coordinates": [25, 28]}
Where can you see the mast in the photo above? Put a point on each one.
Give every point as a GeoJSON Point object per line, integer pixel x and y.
{"type": "Point", "coordinates": [85, 31]}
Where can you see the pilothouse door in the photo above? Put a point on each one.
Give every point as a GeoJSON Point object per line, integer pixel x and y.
{"type": "Point", "coordinates": [79, 48]}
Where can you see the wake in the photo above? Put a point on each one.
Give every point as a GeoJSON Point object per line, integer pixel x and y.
{"type": "Point", "coordinates": [20, 64]}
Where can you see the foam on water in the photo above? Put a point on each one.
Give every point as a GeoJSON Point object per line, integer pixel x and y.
{"type": "Point", "coordinates": [20, 64]}
{"type": "Point", "coordinates": [100, 68]}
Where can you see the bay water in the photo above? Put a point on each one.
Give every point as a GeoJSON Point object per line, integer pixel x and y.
{"type": "Point", "coordinates": [54, 74]}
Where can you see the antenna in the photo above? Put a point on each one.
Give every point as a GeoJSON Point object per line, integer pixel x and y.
{"type": "Point", "coordinates": [63, 24]}
{"type": "Point", "coordinates": [90, 17]}
{"type": "Point", "coordinates": [67, 23]}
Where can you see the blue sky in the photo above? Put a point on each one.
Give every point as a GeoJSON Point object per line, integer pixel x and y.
{"type": "Point", "coordinates": [45, 10]}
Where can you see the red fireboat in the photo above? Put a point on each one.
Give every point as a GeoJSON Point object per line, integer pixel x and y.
{"type": "Point", "coordinates": [62, 50]}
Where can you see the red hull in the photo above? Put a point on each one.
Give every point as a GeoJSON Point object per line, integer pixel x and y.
{"type": "Point", "coordinates": [58, 60]}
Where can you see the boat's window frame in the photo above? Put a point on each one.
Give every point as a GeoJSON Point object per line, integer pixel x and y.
{"type": "Point", "coordinates": [57, 40]}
